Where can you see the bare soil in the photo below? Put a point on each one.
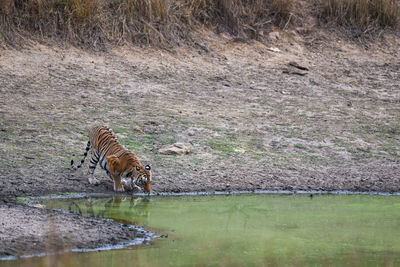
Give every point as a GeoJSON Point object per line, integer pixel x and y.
{"type": "Point", "coordinates": [34, 230]}
{"type": "Point", "coordinates": [254, 121]}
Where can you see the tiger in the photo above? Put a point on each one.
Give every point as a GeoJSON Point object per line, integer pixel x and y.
{"type": "Point", "coordinates": [116, 160]}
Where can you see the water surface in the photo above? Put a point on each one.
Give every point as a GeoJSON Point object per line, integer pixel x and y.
{"type": "Point", "coordinates": [244, 230]}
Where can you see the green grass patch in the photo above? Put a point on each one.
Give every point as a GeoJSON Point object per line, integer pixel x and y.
{"type": "Point", "coordinates": [218, 129]}
{"type": "Point", "coordinates": [222, 146]}
{"type": "Point", "coordinates": [299, 146]}
{"type": "Point", "coordinates": [256, 144]}
{"type": "Point", "coordinates": [91, 111]}
{"type": "Point", "coordinates": [7, 132]}
{"type": "Point", "coordinates": [46, 124]}
{"type": "Point", "coordinates": [391, 150]}
{"type": "Point", "coordinates": [293, 134]}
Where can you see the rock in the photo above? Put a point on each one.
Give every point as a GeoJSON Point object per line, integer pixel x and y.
{"type": "Point", "coordinates": [274, 49]}
{"type": "Point", "coordinates": [208, 149]}
{"type": "Point", "coordinates": [273, 35]}
{"type": "Point", "coordinates": [138, 129]}
{"type": "Point", "coordinates": [193, 131]}
{"type": "Point", "coordinates": [239, 150]}
{"type": "Point", "coordinates": [176, 149]}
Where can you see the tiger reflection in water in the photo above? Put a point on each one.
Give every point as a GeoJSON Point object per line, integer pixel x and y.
{"type": "Point", "coordinates": [122, 209]}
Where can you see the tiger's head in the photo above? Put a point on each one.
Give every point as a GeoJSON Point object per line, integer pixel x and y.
{"type": "Point", "coordinates": [129, 166]}
{"type": "Point", "coordinates": [143, 177]}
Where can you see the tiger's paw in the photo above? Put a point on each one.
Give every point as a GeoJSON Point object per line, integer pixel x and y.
{"type": "Point", "coordinates": [119, 189]}
{"type": "Point", "coordinates": [136, 188]}
{"type": "Point", "coordinates": [126, 184]}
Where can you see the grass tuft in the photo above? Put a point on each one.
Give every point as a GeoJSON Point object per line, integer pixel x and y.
{"type": "Point", "coordinates": [365, 15]}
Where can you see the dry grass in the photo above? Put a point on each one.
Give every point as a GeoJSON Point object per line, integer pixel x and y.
{"type": "Point", "coordinates": [165, 23]}
{"type": "Point", "coordinates": [155, 22]}
{"type": "Point", "coordinates": [365, 15]}
{"type": "Point", "coordinates": [246, 18]}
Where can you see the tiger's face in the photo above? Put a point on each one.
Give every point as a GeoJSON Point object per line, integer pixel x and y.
{"type": "Point", "coordinates": [143, 177]}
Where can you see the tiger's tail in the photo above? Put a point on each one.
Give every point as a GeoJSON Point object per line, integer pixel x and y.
{"type": "Point", "coordinates": [83, 158]}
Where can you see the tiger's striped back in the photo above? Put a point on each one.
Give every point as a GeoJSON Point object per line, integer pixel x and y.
{"type": "Point", "coordinates": [105, 143]}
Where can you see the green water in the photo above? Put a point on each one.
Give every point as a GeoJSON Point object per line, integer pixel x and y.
{"type": "Point", "coordinates": [245, 230]}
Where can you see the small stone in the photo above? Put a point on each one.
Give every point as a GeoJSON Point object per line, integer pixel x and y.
{"type": "Point", "coordinates": [192, 131]}
{"type": "Point", "coordinates": [274, 49]}
{"type": "Point", "coordinates": [273, 35]}
{"type": "Point", "coordinates": [208, 149]}
{"type": "Point", "coordinates": [176, 149]}
{"type": "Point", "coordinates": [226, 36]}
{"type": "Point", "coordinates": [138, 129]}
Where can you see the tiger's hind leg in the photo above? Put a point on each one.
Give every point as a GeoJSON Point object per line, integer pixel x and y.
{"type": "Point", "coordinates": [92, 166]}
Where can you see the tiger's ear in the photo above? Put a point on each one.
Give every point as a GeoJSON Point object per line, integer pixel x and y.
{"type": "Point", "coordinates": [113, 162]}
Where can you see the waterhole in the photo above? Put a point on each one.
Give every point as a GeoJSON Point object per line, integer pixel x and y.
{"type": "Point", "coordinates": [243, 230]}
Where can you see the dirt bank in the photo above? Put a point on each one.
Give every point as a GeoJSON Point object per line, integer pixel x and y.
{"type": "Point", "coordinates": [27, 231]}
{"type": "Point", "coordinates": [253, 119]}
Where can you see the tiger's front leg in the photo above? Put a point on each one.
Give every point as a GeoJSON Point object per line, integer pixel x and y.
{"type": "Point", "coordinates": [118, 187]}
{"type": "Point", "coordinates": [127, 183]}
{"type": "Point", "coordinates": [114, 168]}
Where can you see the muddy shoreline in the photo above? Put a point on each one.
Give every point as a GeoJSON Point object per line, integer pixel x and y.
{"type": "Point", "coordinates": [34, 231]}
